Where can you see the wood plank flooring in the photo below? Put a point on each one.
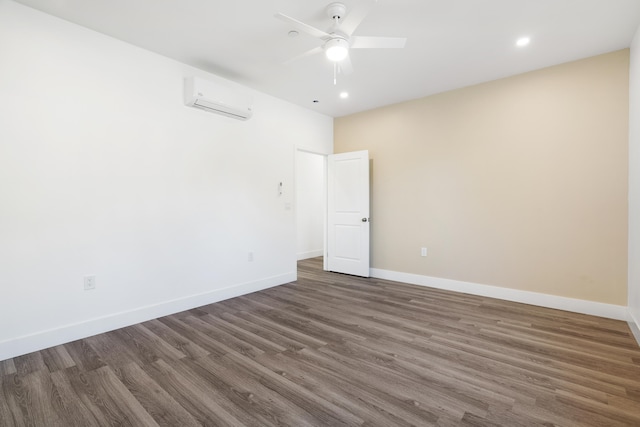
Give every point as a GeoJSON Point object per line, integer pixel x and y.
{"type": "Point", "coordinates": [335, 350]}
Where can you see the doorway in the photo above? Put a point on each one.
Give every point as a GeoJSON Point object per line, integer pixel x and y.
{"type": "Point", "coordinates": [345, 217]}
{"type": "Point", "coordinates": [310, 200]}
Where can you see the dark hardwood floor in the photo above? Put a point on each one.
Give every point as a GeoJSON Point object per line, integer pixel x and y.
{"type": "Point", "coordinates": [334, 350]}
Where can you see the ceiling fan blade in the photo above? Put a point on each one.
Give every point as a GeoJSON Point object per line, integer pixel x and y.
{"type": "Point", "coordinates": [304, 55]}
{"type": "Point", "coordinates": [357, 14]}
{"type": "Point", "coordinates": [345, 65]}
{"type": "Point", "coordinates": [312, 31]}
{"type": "Point", "coordinates": [377, 42]}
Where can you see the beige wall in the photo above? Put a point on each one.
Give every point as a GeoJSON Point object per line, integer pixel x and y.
{"type": "Point", "coordinates": [518, 183]}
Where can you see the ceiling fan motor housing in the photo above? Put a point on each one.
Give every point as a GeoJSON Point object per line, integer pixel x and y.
{"type": "Point", "coordinates": [336, 11]}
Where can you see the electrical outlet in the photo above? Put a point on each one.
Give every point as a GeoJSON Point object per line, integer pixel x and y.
{"type": "Point", "coordinates": [250, 257]}
{"type": "Point", "coordinates": [89, 283]}
{"type": "Point", "coordinates": [423, 252]}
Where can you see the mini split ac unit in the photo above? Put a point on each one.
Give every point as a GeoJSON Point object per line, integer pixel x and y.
{"type": "Point", "coordinates": [216, 98]}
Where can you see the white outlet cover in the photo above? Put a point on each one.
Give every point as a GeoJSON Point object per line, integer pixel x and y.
{"type": "Point", "coordinates": [89, 283]}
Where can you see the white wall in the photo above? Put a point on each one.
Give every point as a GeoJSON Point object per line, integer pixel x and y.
{"type": "Point", "coordinates": [634, 185]}
{"type": "Point", "coordinates": [310, 204]}
{"type": "Point", "coordinates": [104, 171]}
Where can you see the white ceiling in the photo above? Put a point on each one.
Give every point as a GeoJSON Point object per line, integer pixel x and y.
{"type": "Point", "coordinates": [451, 43]}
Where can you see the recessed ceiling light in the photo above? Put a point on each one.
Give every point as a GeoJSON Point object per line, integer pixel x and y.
{"type": "Point", "coordinates": [344, 95]}
{"type": "Point", "coordinates": [293, 33]}
{"type": "Point", "coordinates": [523, 41]}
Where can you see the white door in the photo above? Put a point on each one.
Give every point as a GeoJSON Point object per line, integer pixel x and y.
{"type": "Point", "coordinates": [348, 213]}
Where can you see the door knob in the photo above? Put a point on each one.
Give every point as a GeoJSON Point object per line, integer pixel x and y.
{"type": "Point", "coordinates": [365, 219]}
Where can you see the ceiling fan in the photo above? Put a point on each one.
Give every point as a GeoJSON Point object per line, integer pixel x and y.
{"type": "Point", "coordinates": [339, 38]}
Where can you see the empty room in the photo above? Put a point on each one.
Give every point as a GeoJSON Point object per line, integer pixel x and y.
{"type": "Point", "coordinates": [358, 213]}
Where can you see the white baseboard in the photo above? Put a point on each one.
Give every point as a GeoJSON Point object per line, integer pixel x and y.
{"type": "Point", "coordinates": [52, 337]}
{"type": "Point", "coordinates": [611, 311]}
{"type": "Point", "coordinates": [634, 325]}
{"type": "Point", "coordinates": [56, 336]}
{"type": "Point", "coordinates": [310, 254]}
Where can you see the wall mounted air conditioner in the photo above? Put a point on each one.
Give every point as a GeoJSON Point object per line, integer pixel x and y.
{"type": "Point", "coordinates": [216, 98]}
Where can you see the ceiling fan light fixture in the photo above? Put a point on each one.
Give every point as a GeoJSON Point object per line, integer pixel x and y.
{"type": "Point", "coordinates": [336, 49]}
